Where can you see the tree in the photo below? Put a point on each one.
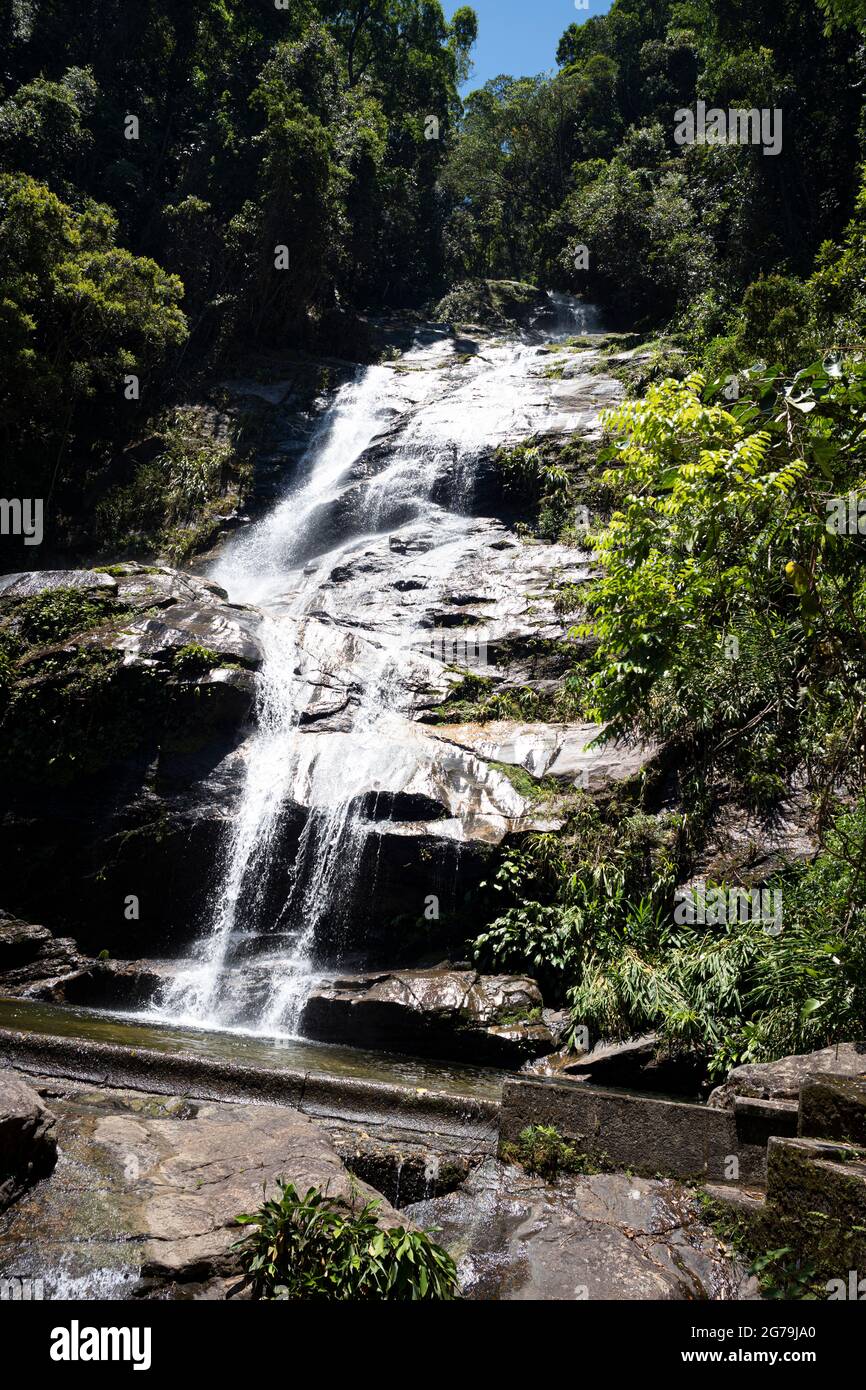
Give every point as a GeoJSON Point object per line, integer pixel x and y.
{"type": "Point", "coordinates": [79, 314]}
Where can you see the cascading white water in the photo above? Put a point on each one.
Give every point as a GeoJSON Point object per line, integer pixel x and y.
{"type": "Point", "coordinates": [428, 425]}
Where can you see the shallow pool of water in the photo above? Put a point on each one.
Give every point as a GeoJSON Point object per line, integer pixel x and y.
{"type": "Point", "coordinates": [128, 1030]}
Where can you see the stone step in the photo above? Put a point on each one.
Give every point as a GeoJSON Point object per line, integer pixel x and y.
{"type": "Point", "coordinates": [741, 1200]}
{"type": "Point", "coordinates": [816, 1202]}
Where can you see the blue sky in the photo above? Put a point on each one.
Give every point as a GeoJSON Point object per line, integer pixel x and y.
{"type": "Point", "coordinates": [519, 37]}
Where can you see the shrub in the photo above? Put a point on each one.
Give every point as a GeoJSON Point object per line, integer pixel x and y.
{"type": "Point", "coordinates": [542, 1152]}
{"type": "Point", "coordinates": [316, 1247]}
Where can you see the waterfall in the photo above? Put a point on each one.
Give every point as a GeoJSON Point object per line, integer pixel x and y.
{"type": "Point", "coordinates": [392, 439]}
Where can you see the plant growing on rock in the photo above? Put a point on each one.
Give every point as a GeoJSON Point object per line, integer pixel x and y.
{"type": "Point", "coordinates": [316, 1247]}
{"type": "Point", "coordinates": [542, 1152]}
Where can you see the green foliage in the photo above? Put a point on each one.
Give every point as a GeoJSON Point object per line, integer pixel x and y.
{"type": "Point", "coordinates": [315, 1247]}
{"type": "Point", "coordinates": [258, 128]}
{"type": "Point", "coordinates": [77, 313]}
{"type": "Point", "coordinates": [721, 536]}
{"type": "Point", "coordinates": [57, 613]}
{"type": "Point", "coordinates": [542, 1151]}
{"type": "Point", "coordinates": [564, 896]}
{"type": "Point", "coordinates": [783, 1273]}
{"type": "Point", "coordinates": [841, 12]}
{"type": "Point", "coordinates": [194, 659]}
{"type": "Point", "coordinates": [587, 159]}
{"type": "Point", "coordinates": [187, 478]}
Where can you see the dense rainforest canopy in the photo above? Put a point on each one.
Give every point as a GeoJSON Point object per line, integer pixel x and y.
{"type": "Point", "coordinates": [178, 180]}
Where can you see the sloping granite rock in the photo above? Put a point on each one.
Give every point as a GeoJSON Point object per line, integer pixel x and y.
{"type": "Point", "coordinates": [559, 751]}
{"type": "Point", "coordinates": [29, 583]}
{"type": "Point", "coordinates": [455, 1014]}
{"type": "Point", "coordinates": [147, 1188]}
{"type": "Point", "coordinates": [28, 1147]}
{"type": "Point", "coordinates": [604, 1237]}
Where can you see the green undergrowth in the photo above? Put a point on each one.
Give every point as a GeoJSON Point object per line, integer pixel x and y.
{"type": "Point", "coordinates": [542, 1152]}
{"type": "Point", "coordinates": [549, 480]}
{"type": "Point", "coordinates": [318, 1248]}
{"type": "Point", "coordinates": [186, 478]}
{"type": "Point", "coordinates": [783, 1272]}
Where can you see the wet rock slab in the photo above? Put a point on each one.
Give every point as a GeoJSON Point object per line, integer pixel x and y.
{"type": "Point", "coordinates": [607, 1236]}
{"type": "Point", "coordinates": [147, 1188]}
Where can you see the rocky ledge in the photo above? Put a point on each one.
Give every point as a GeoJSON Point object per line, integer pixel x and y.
{"type": "Point", "coordinates": [496, 1020]}
{"type": "Point", "coordinates": [782, 1080]}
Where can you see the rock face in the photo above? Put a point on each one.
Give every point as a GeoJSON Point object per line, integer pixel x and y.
{"type": "Point", "coordinates": [28, 1147]}
{"type": "Point", "coordinates": [782, 1080]}
{"type": "Point", "coordinates": [452, 1014]}
{"type": "Point", "coordinates": [154, 1184]}
{"type": "Point", "coordinates": [407, 593]}
{"type": "Point", "coordinates": [609, 1236]}
{"type": "Point", "coordinates": [31, 956]}
{"type": "Point", "coordinates": [121, 748]}
{"type": "Point", "coordinates": [562, 752]}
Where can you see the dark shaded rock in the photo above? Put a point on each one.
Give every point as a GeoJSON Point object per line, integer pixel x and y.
{"type": "Point", "coordinates": [30, 955]}
{"type": "Point", "coordinates": [609, 1236]}
{"type": "Point", "coordinates": [135, 724]}
{"type": "Point", "coordinates": [816, 1203]}
{"type": "Point", "coordinates": [637, 1065]}
{"type": "Point", "coordinates": [492, 1019]}
{"type": "Point", "coordinates": [834, 1107]}
{"type": "Point", "coordinates": [403, 1172]}
{"type": "Point", "coordinates": [28, 1147]}
{"type": "Point", "coordinates": [116, 984]}
{"type": "Point", "coordinates": [612, 1061]}
{"type": "Point", "coordinates": [744, 850]}
{"type": "Point", "coordinates": [782, 1080]}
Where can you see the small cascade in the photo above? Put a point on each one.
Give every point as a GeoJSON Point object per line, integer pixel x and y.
{"type": "Point", "coordinates": [572, 318]}
{"type": "Point", "coordinates": [389, 475]}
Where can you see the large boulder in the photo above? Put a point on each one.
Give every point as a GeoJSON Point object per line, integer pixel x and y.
{"type": "Point", "coordinates": [147, 1201]}
{"type": "Point", "coordinates": [833, 1107]}
{"type": "Point", "coordinates": [28, 1147]}
{"type": "Point", "coordinates": [494, 304]}
{"type": "Point", "coordinates": [781, 1080]}
{"type": "Point", "coordinates": [459, 1014]}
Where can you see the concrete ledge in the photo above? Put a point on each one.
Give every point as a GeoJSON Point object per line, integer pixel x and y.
{"type": "Point", "coordinates": [645, 1134]}
{"type": "Point", "coordinates": [321, 1096]}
